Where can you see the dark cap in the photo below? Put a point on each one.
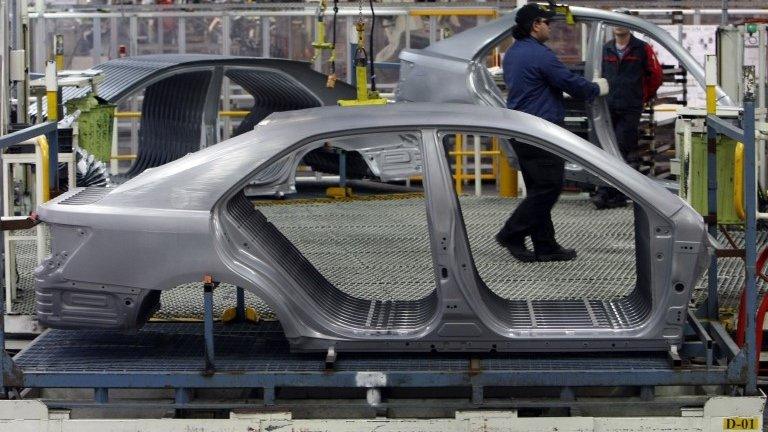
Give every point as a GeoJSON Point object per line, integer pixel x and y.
{"type": "Point", "coordinates": [530, 13]}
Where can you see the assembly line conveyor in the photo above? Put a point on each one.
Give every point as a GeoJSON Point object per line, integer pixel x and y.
{"type": "Point", "coordinates": [187, 356]}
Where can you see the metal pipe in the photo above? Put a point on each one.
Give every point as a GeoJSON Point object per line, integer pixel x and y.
{"type": "Point", "coordinates": [750, 245]}
{"type": "Point", "coordinates": [240, 305]}
{"type": "Point", "coordinates": [762, 62]}
{"type": "Point", "coordinates": [23, 110]}
{"type": "Point", "coordinates": [96, 52]}
{"type": "Point", "coordinates": [128, 10]}
{"type": "Point", "coordinates": [112, 37]}
{"type": "Point", "coordinates": [265, 42]}
{"type": "Point", "coordinates": [4, 63]}
{"type": "Point", "coordinates": [724, 14]}
{"type": "Point", "coordinates": [507, 176]}
{"type": "Point", "coordinates": [182, 35]}
{"type": "Point", "coordinates": [226, 102]}
{"type": "Point", "coordinates": [762, 75]}
{"type": "Point", "coordinates": [208, 325]}
{"type": "Point", "coordinates": [432, 30]}
{"type": "Point", "coordinates": [343, 170]}
{"type": "Point", "coordinates": [477, 157]}
{"type": "Point", "coordinates": [458, 148]}
{"type": "Point", "coordinates": [478, 12]}
{"type": "Point", "coordinates": [713, 307]}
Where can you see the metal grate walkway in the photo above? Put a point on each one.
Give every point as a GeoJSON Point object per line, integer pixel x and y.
{"type": "Point", "coordinates": [162, 347]}
{"type": "Point", "coordinates": [378, 249]}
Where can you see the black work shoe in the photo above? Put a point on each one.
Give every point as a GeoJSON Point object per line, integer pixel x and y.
{"type": "Point", "coordinates": [558, 254]}
{"type": "Point", "coordinates": [516, 248]}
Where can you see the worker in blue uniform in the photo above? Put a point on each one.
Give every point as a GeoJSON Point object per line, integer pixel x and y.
{"type": "Point", "coordinates": [536, 80]}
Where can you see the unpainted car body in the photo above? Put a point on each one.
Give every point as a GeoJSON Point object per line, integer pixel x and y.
{"type": "Point", "coordinates": [453, 70]}
{"type": "Point", "coordinates": [188, 218]}
{"type": "Point", "coordinates": [182, 93]}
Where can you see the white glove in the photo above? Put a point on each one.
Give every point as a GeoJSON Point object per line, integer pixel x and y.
{"type": "Point", "coordinates": [603, 84]}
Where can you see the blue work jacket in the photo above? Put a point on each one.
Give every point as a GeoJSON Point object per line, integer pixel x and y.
{"type": "Point", "coordinates": [536, 80]}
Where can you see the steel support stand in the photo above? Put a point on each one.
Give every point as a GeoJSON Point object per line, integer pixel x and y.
{"type": "Point", "coordinates": [567, 394]}
{"type": "Point", "coordinates": [646, 393]}
{"type": "Point", "coordinates": [269, 395]}
{"type": "Point", "coordinates": [713, 305]}
{"type": "Point", "coordinates": [208, 287]}
{"type": "Point", "coordinates": [101, 395]}
{"type": "Point", "coordinates": [750, 244]}
{"type": "Point", "coordinates": [342, 169]}
{"type": "Point", "coordinates": [477, 395]}
{"type": "Point", "coordinates": [7, 367]}
{"type": "Point", "coordinates": [5, 360]}
{"type": "Point", "coordinates": [240, 306]}
{"type": "Point", "coordinates": [53, 158]}
{"type": "Point", "coordinates": [182, 396]}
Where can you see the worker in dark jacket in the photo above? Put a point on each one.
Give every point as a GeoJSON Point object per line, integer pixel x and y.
{"type": "Point", "coordinates": [634, 74]}
{"type": "Point", "coordinates": [536, 80]}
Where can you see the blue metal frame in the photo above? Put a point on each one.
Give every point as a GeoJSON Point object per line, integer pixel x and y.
{"type": "Point", "coordinates": [715, 126]}
{"type": "Point", "coordinates": [50, 129]}
{"type": "Point", "coordinates": [263, 361]}
{"type": "Point", "coordinates": [713, 307]}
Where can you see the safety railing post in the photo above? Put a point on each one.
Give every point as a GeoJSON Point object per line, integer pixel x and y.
{"type": "Point", "coordinates": [478, 180]}
{"type": "Point", "coordinates": [711, 80]}
{"type": "Point", "coordinates": [750, 245]}
{"type": "Point", "coordinates": [458, 165]}
{"type": "Point", "coordinates": [507, 177]}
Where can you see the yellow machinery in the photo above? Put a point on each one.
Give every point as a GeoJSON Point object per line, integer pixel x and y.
{"type": "Point", "coordinates": [320, 44]}
{"type": "Point", "coordinates": [364, 95]}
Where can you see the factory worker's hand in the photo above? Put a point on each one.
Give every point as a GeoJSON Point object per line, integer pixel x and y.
{"type": "Point", "coordinates": [603, 84]}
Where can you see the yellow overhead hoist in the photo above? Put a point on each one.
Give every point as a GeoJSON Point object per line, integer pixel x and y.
{"type": "Point", "coordinates": [320, 44]}
{"type": "Point", "coordinates": [364, 95]}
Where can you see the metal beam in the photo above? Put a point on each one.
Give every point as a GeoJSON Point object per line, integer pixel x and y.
{"type": "Point", "coordinates": [27, 134]}
{"type": "Point", "coordinates": [724, 127]}
{"type": "Point", "coordinates": [351, 379]}
{"type": "Point", "coordinates": [750, 245]}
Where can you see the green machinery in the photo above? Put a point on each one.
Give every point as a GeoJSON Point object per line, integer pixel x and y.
{"type": "Point", "coordinates": [94, 125]}
{"type": "Point", "coordinates": [691, 142]}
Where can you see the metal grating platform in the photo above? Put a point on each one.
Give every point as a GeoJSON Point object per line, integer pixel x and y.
{"type": "Point", "coordinates": [160, 347]}
{"type": "Point", "coordinates": [170, 355]}
{"type": "Point", "coordinates": [378, 249]}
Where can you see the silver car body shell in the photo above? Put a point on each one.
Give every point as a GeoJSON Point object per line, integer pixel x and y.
{"type": "Point", "coordinates": [175, 223]}
{"type": "Point", "coordinates": [452, 70]}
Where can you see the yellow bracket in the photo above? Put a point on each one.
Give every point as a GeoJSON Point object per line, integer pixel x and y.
{"type": "Point", "coordinates": [711, 99]}
{"type": "Point", "coordinates": [738, 181]}
{"type": "Point", "coordinates": [338, 192]}
{"type": "Point", "coordinates": [565, 10]}
{"type": "Point", "coordinates": [230, 315]}
{"type": "Point", "coordinates": [364, 96]}
{"type": "Point", "coordinates": [458, 147]}
{"type": "Point", "coordinates": [355, 102]}
{"type": "Point", "coordinates": [42, 143]}
{"type": "Point", "coordinates": [137, 114]}
{"type": "Point", "coordinates": [123, 157]}
{"type": "Point", "coordinates": [320, 42]}
{"type": "Point", "coordinates": [53, 101]}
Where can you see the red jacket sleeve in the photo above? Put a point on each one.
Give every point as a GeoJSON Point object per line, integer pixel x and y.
{"type": "Point", "coordinates": [653, 75]}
